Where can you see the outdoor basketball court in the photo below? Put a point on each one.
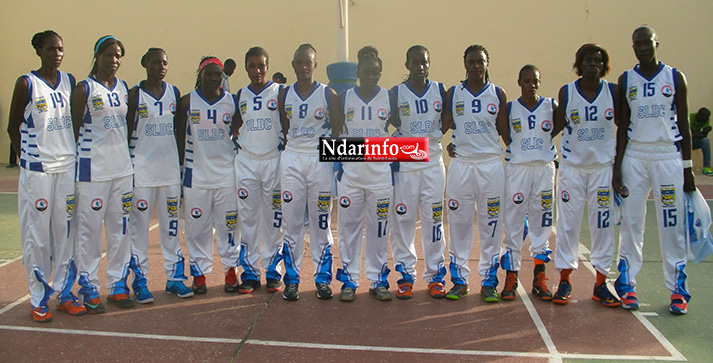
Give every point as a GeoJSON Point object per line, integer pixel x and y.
{"type": "Point", "coordinates": [262, 327]}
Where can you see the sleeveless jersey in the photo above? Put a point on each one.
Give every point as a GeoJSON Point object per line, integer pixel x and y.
{"type": "Point", "coordinates": [309, 118]}
{"type": "Point", "coordinates": [530, 132]}
{"type": "Point", "coordinates": [103, 149]}
{"type": "Point", "coordinates": [209, 149]}
{"type": "Point", "coordinates": [420, 116]}
{"type": "Point", "coordinates": [366, 118]}
{"type": "Point", "coordinates": [589, 137]}
{"type": "Point", "coordinates": [46, 131]}
{"type": "Point", "coordinates": [475, 135]}
{"type": "Point", "coordinates": [153, 143]}
{"type": "Point", "coordinates": [261, 132]}
{"type": "Point", "coordinates": [653, 105]}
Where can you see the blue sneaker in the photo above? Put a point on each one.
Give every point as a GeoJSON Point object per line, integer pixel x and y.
{"type": "Point", "coordinates": [143, 296]}
{"type": "Point", "coordinates": [629, 301]}
{"type": "Point", "coordinates": [178, 288]}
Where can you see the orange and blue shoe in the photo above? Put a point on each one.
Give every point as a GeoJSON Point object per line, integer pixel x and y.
{"type": "Point", "coordinates": [41, 314]}
{"type": "Point", "coordinates": [629, 301]}
{"type": "Point", "coordinates": [563, 294]}
{"type": "Point", "coordinates": [510, 288]}
{"type": "Point", "coordinates": [602, 294]}
{"type": "Point", "coordinates": [679, 305]}
{"type": "Point", "coordinates": [437, 290]}
{"type": "Point", "coordinates": [72, 307]}
{"type": "Point", "coordinates": [405, 291]}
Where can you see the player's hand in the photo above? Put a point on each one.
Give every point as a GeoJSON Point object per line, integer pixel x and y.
{"type": "Point", "coordinates": [451, 150]}
{"type": "Point", "coordinates": [617, 182]}
{"type": "Point", "coordinates": [689, 181]}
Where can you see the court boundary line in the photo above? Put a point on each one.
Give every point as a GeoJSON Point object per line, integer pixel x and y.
{"type": "Point", "coordinates": [675, 353]}
{"type": "Point", "coordinates": [553, 354]}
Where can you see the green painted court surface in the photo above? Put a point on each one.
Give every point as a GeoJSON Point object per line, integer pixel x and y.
{"type": "Point", "coordinates": [691, 334]}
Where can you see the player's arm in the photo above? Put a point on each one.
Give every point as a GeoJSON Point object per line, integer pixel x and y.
{"type": "Point", "coordinates": [283, 114]}
{"type": "Point", "coordinates": [446, 114]}
{"type": "Point", "coordinates": [78, 104]}
{"type": "Point", "coordinates": [335, 114]}
{"type": "Point", "coordinates": [559, 120]}
{"type": "Point", "coordinates": [180, 125]}
{"type": "Point", "coordinates": [17, 112]}
{"type": "Point", "coordinates": [681, 99]}
{"type": "Point", "coordinates": [131, 112]}
{"type": "Point", "coordinates": [238, 119]}
{"type": "Point", "coordinates": [622, 114]}
{"type": "Point", "coordinates": [501, 122]}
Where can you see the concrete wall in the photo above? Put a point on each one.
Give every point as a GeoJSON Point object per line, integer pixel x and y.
{"type": "Point", "coordinates": [516, 32]}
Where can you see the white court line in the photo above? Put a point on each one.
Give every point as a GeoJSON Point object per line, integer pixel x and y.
{"type": "Point", "coordinates": [371, 348]}
{"type": "Point", "coordinates": [26, 297]}
{"type": "Point", "coordinates": [10, 261]}
{"type": "Point", "coordinates": [546, 338]}
{"type": "Point", "coordinates": [121, 335]}
{"type": "Point", "coordinates": [675, 354]}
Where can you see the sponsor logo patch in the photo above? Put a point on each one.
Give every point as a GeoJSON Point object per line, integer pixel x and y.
{"type": "Point", "coordinates": [323, 202]}
{"type": "Point", "coordinates": [493, 208]}
{"type": "Point", "coordinates": [400, 209]}
{"type": "Point", "coordinates": [345, 202]}
{"type": "Point", "coordinates": [41, 104]}
{"type": "Point", "coordinates": [668, 196]}
{"type": "Point", "coordinates": [518, 198]}
{"type": "Point", "coordinates": [143, 111]}
{"type": "Point", "coordinates": [546, 197]}
{"type": "Point", "coordinates": [382, 209]}
{"type": "Point", "coordinates": [453, 204]}
{"type": "Point", "coordinates": [231, 220]}
{"type": "Point", "coordinates": [70, 206]}
{"type": "Point", "coordinates": [126, 202]}
{"type": "Point", "coordinates": [97, 103]}
{"type": "Point", "coordinates": [97, 204]}
{"type": "Point", "coordinates": [437, 212]}
{"type": "Point", "coordinates": [565, 196]}
{"type": "Point", "coordinates": [574, 116]}
{"type": "Point", "coordinates": [405, 109]}
{"type": "Point", "coordinates": [633, 92]}
{"type": "Point", "coordinates": [142, 205]}
{"type": "Point", "coordinates": [287, 196]}
{"type": "Point", "coordinates": [276, 201]}
{"type": "Point", "coordinates": [517, 125]}
{"type": "Point", "coordinates": [41, 204]}
{"type": "Point", "coordinates": [603, 197]}
{"type": "Point", "coordinates": [172, 207]}
{"type": "Point", "coordinates": [195, 116]}
{"type": "Point", "coordinates": [242, 193]}
{"type": "Point", "coordinates": [196, 213]}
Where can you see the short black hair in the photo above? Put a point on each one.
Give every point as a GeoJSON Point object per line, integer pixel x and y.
{"type": "Point", "coordinates": [587, 49]}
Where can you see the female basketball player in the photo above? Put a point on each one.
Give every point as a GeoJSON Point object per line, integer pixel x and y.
{"type": "Point", "coordinates": [477, 112]}
{"type": "Point", "coordinates": [40, 107]}
{"type": "Point", "coordinates": [365, 189]}
{"type": "Point", "coordinates": [308, 110]}
{"type": "Point", "coordinates": [152, 120]}
{"type": "Point", "coordinates": [104, 176]}
{"type": "Point", "coordinates": [261, 141]}
{"type": "Point", "coordinates": [587, 109]}
{"type": "Point", "coordinates": [530, 180]}
{"type": "Point", "coordinates": [209, 195]}
{"type": "Point", "coordinates": [419, 186]}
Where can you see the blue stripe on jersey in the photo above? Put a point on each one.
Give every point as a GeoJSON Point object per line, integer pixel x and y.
{"type": "Point", "coordinates": [28, 96]}
{"type": "Point", "coordinates": [84, 171]}
{"type": "Point", "coordinates": [611, 90]}
{"type": "Point", "coordinates": [509, 108]}
{"type": "Point", "coordinates": [30, 122]}
{"type": "Point", "coordinates": [565, 98]}
{"type": "Point", "coordinates": [497, 92]}
{"type": "Point", "coordinates": [72, 80]}
{"type": "Point", "coordinates": [188, 177]}
{"type": "Point", "coordinates": [674, 73]}
{"type": "Point", "coordinates": [329, 99]}
{"type": "Point", "coordinates": [442, 90]}
{"type": "Point", "coordinates": [86, 89]}
{"type": "Point", "coordinates": [395, 114]}
{"type": "Point", "coordinates": [661, 66]}
{"type": "Point", "coordinates": [36, 166]}
{"type": "Point", "coordinates": [393, 109]}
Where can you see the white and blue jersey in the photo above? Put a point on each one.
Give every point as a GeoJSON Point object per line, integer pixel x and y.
{"type": "Point", "coordinates": [261, 132]}
{"type": "Point", "coordinates": [475, 134]}
{"type": "Point", "coordinates": [309, 119]}
{"type": "Point", "coordinates": [530, 132]}
{"type": "Point", "coordinates": [590, 126]}
{"type": "Point", "coordinates": [153, 144]}
{"type": "Point", "coordinates": [653, 105]}
{"type": "Point", "coordinates": [420, 116]}
{"type": "Point", "coordinates": [209, 149]}
{"type": "Point", "coordinates": [48, 143]}
{"type": "Point", "coordinates": [366, 118]}
{"type": "Point", "coordinates": [102, 148]}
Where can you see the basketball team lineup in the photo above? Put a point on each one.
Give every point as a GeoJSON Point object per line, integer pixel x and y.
{"type": "Point", "coordinates": [244, 169]}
